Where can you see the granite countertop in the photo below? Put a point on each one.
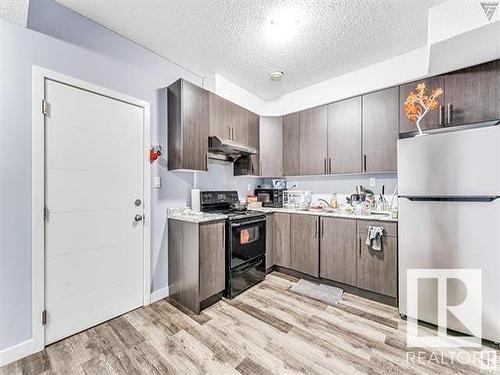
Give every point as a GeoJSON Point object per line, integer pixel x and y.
{"type": "Point", "coordinates": [185, 214]}
{"type": "Point", "coordinates": [329, 214]}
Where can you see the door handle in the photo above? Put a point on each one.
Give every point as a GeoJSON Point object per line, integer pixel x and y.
{"type": "Point", "coordinates": [138, 217]}
{"type": "Point", "coordinates": [329, 165]}
{"type": "Point", "coordinates": [316, 231]}
{"type": "Point", "coordinates": [359, 238]}
{"type": "Point", "coordinates": [364, 162]}
{"type": "Point", "coordinates": [450, 112]}
{"type": "Point", "coordinates": [322, 228]}
{"type": "Point", "coordinates": [324, 167]}
{"type": "Point", "coordinates": [441, 114]}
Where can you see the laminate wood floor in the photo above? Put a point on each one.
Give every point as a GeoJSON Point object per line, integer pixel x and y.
{"type": "Point", "coordinates": [266, 330]}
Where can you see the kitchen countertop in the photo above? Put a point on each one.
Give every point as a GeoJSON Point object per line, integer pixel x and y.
{"type": "Point", "coordinates": [185, 214]}
{"type": "Point", "coordinates": [329, 214]}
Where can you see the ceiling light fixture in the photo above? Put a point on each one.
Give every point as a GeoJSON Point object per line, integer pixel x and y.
{"type": "Point", "coordinates": [276, 76]}
{"type": "Point", "coordinates": [283, 24]}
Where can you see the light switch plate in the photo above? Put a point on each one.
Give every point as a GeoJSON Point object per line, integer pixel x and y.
{"type": "Point", "coordinates": [373, 182]}
{"type": "Point", "coordinates": [157, 182]}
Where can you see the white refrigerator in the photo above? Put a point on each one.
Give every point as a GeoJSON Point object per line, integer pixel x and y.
{"type": "Point", "coordinates": [449, 218]}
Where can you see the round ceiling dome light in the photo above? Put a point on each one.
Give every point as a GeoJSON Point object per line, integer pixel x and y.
{"type": "Point", "coordinates": [276, 76]}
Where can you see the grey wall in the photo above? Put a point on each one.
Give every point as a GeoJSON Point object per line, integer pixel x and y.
{"type": "Point", "coordinates": [92, 53]}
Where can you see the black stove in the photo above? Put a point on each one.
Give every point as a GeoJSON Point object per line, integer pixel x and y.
{"type": "Point", "coordinates": [245, 241]}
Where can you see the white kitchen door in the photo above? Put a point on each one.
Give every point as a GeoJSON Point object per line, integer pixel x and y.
{"type": "Point", "coordinates": [93, 192]}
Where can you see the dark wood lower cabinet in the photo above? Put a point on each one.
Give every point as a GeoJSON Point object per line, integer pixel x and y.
{"type": "Point", "coordinates": [212, 255]}
{"type": "Point", "coordinates": [270, 224]}
{"type": "Point", "coordinates": [282, 239]}
{"type": "Point", "coordinates": [196, 262]}
{"type": "Point", "coordinates": [338, 250]}
{"type": "Point", "coordinates": [304, 244]}
{"type": "Point", "coordinates": [334, 249]}
{"type": "Point", "coordinates": [377, 270]}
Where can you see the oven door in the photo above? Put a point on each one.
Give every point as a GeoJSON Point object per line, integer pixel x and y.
{"type": "Point", "coordinates": [247, 240]}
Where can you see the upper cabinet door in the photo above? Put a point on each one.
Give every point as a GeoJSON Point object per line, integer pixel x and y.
{"type": "Point", "coordinates": [238, 122]}
{"type": "Point", "coordinates": [188, 126]}
{"type": "Point", "coordinates": [380, 130]}
{"type": "Point", "coordinates": [291, 144]}
{"type": "Point", "coordinates": [344, 136]}
{"type": "Point", "coordinates": [313, 133]}
{"type": "Point", "coordinates": [219, 117]}
{"type": "Point", "coordinates": [253, 140]}
{"type": "Point", "coordinates": [271, 146]}
{"type": "Point", "coordinates": [473, 94]}
{"type": "Point", "coordinates": [433, 119]}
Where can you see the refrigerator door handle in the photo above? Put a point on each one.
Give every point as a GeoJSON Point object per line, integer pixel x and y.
{"type": "Point", "coordinates": [479, 198]}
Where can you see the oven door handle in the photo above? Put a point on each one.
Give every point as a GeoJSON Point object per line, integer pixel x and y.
{"type": "Point", "coordinates": [248, 222]}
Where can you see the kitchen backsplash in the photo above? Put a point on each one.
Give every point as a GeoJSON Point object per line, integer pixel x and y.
{"type": "Point", "coordinates": [344, 185]}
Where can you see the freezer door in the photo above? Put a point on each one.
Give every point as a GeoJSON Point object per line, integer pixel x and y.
{"type": "Point", "coordinates": [443, 235]}
{"type": "Point", "coordinates": [465, 162]}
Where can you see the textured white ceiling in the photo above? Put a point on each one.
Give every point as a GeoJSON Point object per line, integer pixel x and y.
{"type": "Point", "coordinates": [229, 37]}
{"type": "Point", "coordinates": [15, 11]}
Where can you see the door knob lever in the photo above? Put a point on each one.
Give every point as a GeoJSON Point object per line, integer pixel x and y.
{"type": "Point", "coordinates": [138, 217]}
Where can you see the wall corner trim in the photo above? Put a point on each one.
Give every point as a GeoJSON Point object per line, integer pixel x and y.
{"type": "Point", "coordinates": [159, 294]}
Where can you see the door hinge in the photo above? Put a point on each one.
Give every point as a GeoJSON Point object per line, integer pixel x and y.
{"type": "Point", "coordinates": [44, 317]}
{"type": "Point", "coordinates": [45, 107]}
{"type": "Point", "coordinates": [45, 213]}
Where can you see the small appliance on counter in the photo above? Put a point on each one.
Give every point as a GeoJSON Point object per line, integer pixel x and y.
{"type": "Point", "coordinates": [296, 199]}
{"type": "Point", "coordinates": [270, 197]}
{"type": "Point", "coordinates": [245, 240]}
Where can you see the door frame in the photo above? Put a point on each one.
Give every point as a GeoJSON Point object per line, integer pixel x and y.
{"type": "Point", "coordinates": [38, 190]}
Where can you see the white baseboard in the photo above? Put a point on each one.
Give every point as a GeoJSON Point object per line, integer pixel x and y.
{"type": "Point", "coordinates": [19, 351]}
{"type": "Point", "coordinates": [159, 294]}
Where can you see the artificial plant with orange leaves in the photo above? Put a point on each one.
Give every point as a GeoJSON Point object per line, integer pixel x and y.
{"type": "Point", "coordinates": [419, 103]}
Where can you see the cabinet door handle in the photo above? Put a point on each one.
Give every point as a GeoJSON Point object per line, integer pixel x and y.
{"type": "Point", "coordinates": [329, 165]}
{"type": "Point", "coordinates": [450, 113]}
{"type": "Point", "coordinates": [316, 231]}
{"type": "Point", "coordinates": [359, 247]}
{"type": "Point", "coordinates": [441, 114]}
{"type": "Point", "coordinates": [324, 167]}
{"type": "Point", "coordinates": [322, 228]}
{"type": "Point", "coordinates": [364, 162]}
{"type": "Point", "coordinates": [229, 129]}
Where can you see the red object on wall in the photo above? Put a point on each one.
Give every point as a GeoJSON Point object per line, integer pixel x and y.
{"type": "Point", "coordinates": [155, 152]}
{"type": "Point", "coordinates": [153, 155]}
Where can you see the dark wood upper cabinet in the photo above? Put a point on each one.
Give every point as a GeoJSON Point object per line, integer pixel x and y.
{"type": "Point", "coordinates": [313, 133]}
{"type": "Point", "coordinates": [338, 250]}
{"type": "Point", "coordinates": [249, 165]}
{"type": "Point", "coordinates": [188, 126]}
{"type": "Point", "coordinates": [219, 117]}
{"type": "Point", "coordinates": [291, 144]}
{"type": "Point", "coordinates": [344, 136]}
{"type": "Point", "coordinates": [238, 121]}
{"type": "Point", "coordinates": [472, 94]}
{"type": "Point", "coordinates": [304, 244]}
{"type": "Point", "coordinates": [380, 130]}
{"type": "Point", "coordinates": [433, 119]}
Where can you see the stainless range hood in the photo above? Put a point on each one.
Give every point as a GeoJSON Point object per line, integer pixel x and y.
{"type": "Point", "coordinates": [227, 149]}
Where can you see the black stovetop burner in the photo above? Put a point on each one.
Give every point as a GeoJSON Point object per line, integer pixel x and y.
{"type": "Point", "coordinates": [220, 202]}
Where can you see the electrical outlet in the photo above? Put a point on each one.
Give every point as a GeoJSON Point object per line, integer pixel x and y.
{"type": "Point", "coordinates": [157, 182]}
{"type": "Point", "coordinates": [373, 182]}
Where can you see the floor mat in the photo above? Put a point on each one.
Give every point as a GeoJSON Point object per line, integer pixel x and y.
{"type": "Point", "coordinates": [321, 292]}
